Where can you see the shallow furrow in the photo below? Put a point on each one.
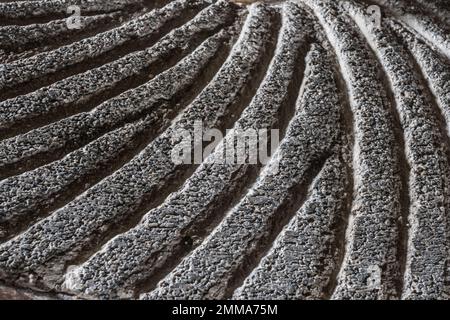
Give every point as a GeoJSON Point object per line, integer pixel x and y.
{"type": "Point", "coordinates": [302, 264]}
{"type": "Point", "coordinates": [122, 199]}
{"type": "Point", "coordinates": [433, 33]}
{"type": "Point", "coordinates": [140, 153]}
{"type": "Point", "coordinates": [24, 197]}
{"type": "Point", "coordinates": [436, 71]}
{"type": "Point", "coordinates": [435, 68]}
{"type": "Point", "coordinates": [37, 147]}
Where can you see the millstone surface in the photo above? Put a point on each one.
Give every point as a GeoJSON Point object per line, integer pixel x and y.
{"type": "Point", "coordinates": [353, 203]}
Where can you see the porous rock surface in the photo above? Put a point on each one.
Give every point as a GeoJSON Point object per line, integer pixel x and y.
{"type": "Point", "coordinates": [353, 203]}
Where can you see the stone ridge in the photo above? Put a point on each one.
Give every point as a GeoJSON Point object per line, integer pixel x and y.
{"type": "Point", "coordinates": [353, 202]}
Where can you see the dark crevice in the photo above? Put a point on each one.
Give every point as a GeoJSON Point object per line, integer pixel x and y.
{"type": "Point", "coordinates": [439, 119]}
{"type": "Point", "coordinates": [37, 160]}
{"type": "Point", "coordinates": [276, 223]}
{"type": "Point", "coordinates": [81, 253]}
{"type": "Point", "coordinates": [404, 172]}
{"type": "Point", "coordinates": [194, 233]}
{"type": "Point", "coordinates": [116, 53]}
{"type": "Point", "coordinates": [403, 168]}
{"type": "Point", "coordinates": [396, 15]}
{"type": "Point", "coordinates": [33, 47]}
{"type": "Point", "coordinates": [341, 224]}
{"type": "Point", "coordinates": [168, 111]}
{"type": "Point", "coordinates": [283, 214]}
{"type": "Point", "coordinates": [172, 183]}
{"type": "Point", "coordinates": [182, 173]}
{"type": "Point", "coordinates": [443, 131]}
{"type": "Point", "coordinates": [64, 37]}
{"type": "Point", "coordinates": [46, 17]}
{"type": "Point", "coordinates": [164, 62]}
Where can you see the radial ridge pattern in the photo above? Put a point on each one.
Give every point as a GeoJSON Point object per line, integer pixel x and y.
{"type": "Point", "coordinates": [352, 203]}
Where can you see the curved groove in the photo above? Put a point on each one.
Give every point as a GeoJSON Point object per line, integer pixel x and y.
{"type": "Point", "coordinates": [296, 252]}
{"type": "Point", "coordinates": [354, 204]}
{"type": "Point", "coordinates": [418, 112]}
{"type": "Point", "coordinates": [151, 176]}
{"type": "Point", "coordinates": [40, 146]}
{"type": "Point", "coordinates": [436, 72]}
{"type": "Point", "coordinates": [96, 161]}
{"type": "Point", "coordinates": [374, 160]}
{"type": "Point", "coordinates": [404, 165]}
{"type": "Point", "coordinates": [37, 38]}
{"type": "Point", "coordinates": [244, 238]}
{"type": "Point", "coordinates": [347, 158]}
{"type": "Point", "coordinates": [82, 92]}
{"type": "Point", "coordinates": [21, 13]}
{"type": "Point", "coordinates": [225, 184]}
{"type": "Point", "coordinates": [432, 66]}
{"type": "Point", "coordinates": [421, 24]}
{"type": "Point", "coordinates": [300, 263]}
{"type": "Point", "coordinates": [46, 68]}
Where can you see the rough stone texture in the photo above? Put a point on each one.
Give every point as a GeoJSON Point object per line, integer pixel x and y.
{"type": "Point", "coordinates": [206, 191]}
{"type": "Point", "coordinates": [353, 203]}
{"type": "Point", "coordinates": [29, 9]}
{"type": "Point", "coordinates": [211, 268]}
{"type": "Point", "coordinates": [42, 64]}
